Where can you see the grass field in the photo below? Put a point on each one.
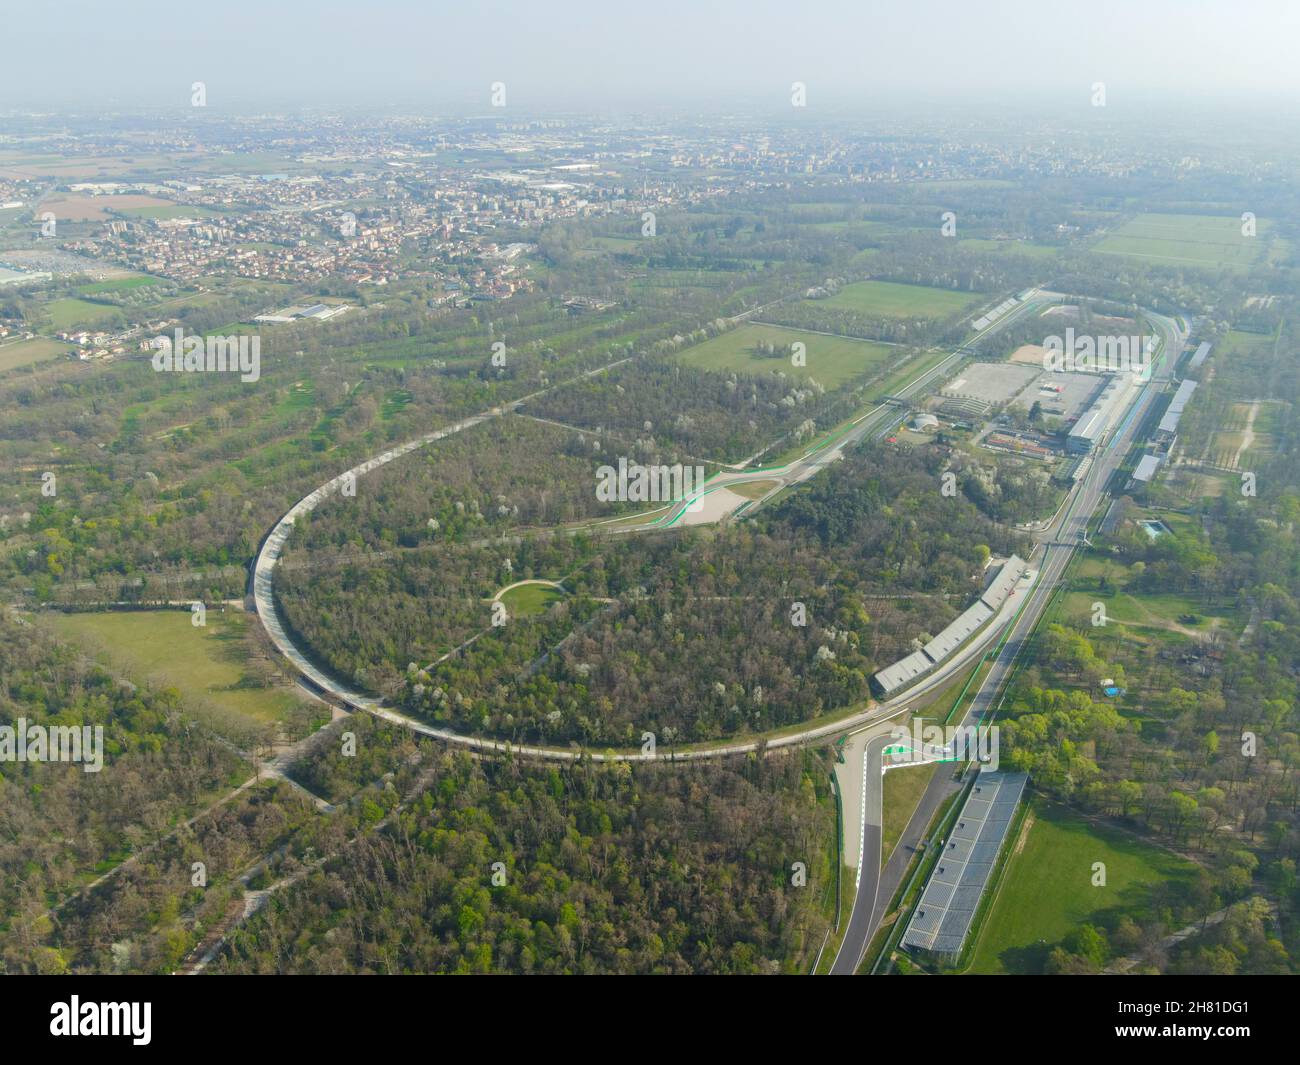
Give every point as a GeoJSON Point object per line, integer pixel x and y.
{"type": "Point", "coordinates": [529, 599]}
{"type": "Point", "coordinates": [204, 663]}
{"type": "Point", "coordinates": [902, 790]}
{"type": "Point", "coordinates": [754, 489]}
{"type": "Point", "coordinates": [70, 314]}
{"type": "Point", "coordinates": [900, 301]}
{"type": "Point", "coordinates": [1010, 247]}
{"type": "Point", "coordinates": [1047, 891]}
{"type": "Point", "coordinates": [914, 368]}
{"type": "Point", "coordinates": [120, 285]}
{"type": "Point", "coordinates": [1188, 240]}
{"type": "Point", "coordinates": [831, 360]}
{"type": "Point", "coordinates": [26, 352]}
{"type": "Point", "coordinates": [1142, 615]}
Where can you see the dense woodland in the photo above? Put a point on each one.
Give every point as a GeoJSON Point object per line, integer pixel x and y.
{"type": "Point", "coordinates": [688, 634]}
{"type": "Point", "coordinates": [602, 870]}
{"type": "Point", "coordinates": [165, 488]}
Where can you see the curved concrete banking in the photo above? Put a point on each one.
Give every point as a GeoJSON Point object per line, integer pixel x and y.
{"type": "Point", "coordinates": [263, 594]}
{"type": "Point", "coordinates": [810, 463]}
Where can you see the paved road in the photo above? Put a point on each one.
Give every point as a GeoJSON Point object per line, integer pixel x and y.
{"type": "Point", "coordinates": [1056, 547]}
{"type": "Point", "coordinates": [872, 891]}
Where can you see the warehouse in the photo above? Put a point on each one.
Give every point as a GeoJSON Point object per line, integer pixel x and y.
{"type": "Point", "coordinates": [1146, 469]}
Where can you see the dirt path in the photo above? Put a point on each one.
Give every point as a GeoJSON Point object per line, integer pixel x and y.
{"type": "Point", "coordinates": [1247, 434]}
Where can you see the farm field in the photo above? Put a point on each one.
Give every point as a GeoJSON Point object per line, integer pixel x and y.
{"type": "Point", "coordinates": [900, 301]}
{"type": "Point", "coordinates": [1186, 239]}
{"type": "Point", "coordinates": [1047, 891]}
{"type": "Point", "coordinates": [26, 352]}
{"type": "Point", "coordinates": [69, 314]}
{"type": "Point", "coordinates": [205, 664]}
{"type": "Point", "coordinates": [831, 360]}
{"type": "Point", "coordinates": [120, 285]}
{"type": "Point", "coordinates": [97, 208]}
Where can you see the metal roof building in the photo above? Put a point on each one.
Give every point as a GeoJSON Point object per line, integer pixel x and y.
{"type": "Point", "coordinates": [943, 916]}
{"type": "Point", "coordinates": [1146, 468]}
{"type": "Point", "coordinates": [1169, 423]}
{"type": "Point", "coordinates": [1094, 422]}
{"type": "Point", "coordinates": [1001, 585]}
{"type": "Point", "coordinates": [905, 669]}
{"type": "Point", "coordinates": [1202, 353]}
{"type": "Point", "coordinates": [957, 632]}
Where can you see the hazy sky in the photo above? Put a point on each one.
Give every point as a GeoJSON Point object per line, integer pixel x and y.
{"type": "Point", "coordinates": [575, 54]}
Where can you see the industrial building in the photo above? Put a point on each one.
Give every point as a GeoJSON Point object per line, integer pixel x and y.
{"type": "Point", "coordinates": [903, 671]}
{"type": "Point", "coordinates": [955, 634]}
{"type": "Point", "coordinates": [1004, 584]}
{"type": "Point", "coordinates": [986, 320]}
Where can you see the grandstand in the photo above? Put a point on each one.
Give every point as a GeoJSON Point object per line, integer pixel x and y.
{"type": "Point", "coordinates": [1168, 427]}
{"type": "Point", "coordinates": [908, 669]}
{"type": "Point", "coordinates": [1202, 353]}
{"type": "Point", "coordinates": [943, 916]}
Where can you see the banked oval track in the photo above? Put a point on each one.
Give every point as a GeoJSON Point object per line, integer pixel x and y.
{"type": "Point", "coordinates": [264, 598]}
{"type": "Point", "coordinates": [273, 546]}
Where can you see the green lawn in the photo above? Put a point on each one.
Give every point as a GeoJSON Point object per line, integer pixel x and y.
{"type": "Point", "coordinates": [831, 360]}
{"type": "Point", "coordinates": [1047, 888]}
{"type": "Point", "coordinates": [204, 663]}
{"type": "Point", "coordinates": [1145, 614]}
{"type": "Point", "coordinates": [630, 245]}
{"type": "Point", "coordinates": [903, 789]}
{"type": "Point", "coordinates": [900, 301]}
{"type": "Point", "coordinates": [530, 599]}
{"type": "Point", "coordinates": [119, 285]}
{"type": "Point", "coordinates": [909, 371]}
{"type": "Point", "coordinates": [71, 314]}
{"type": "Point", "coordinates": [1187, 239]}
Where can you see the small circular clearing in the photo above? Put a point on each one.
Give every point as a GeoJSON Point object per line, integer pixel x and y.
{"type": "Point", "coordinates": [524, 598]}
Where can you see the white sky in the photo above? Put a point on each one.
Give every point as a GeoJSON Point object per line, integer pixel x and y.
{"type": "Point", "coordinates": [584, 55]}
